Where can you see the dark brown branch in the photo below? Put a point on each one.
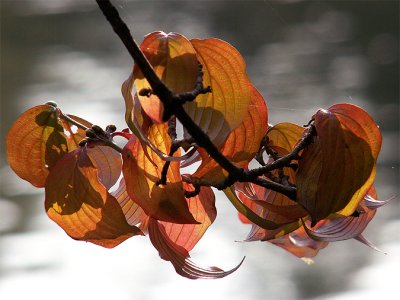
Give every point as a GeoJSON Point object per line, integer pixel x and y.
{"type": "Point", "coordinates": [173, 107]}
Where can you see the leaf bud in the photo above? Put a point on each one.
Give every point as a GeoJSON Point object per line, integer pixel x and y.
{"type": "Point", "coordinates": [90, 133]}
{"type": "Point", "coordinates": [111, 128]}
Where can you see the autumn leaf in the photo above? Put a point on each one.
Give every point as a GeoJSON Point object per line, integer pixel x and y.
{"type": "Point", "coordinates": [222, 110]}
{"type": "Point", "coordinates": [141, 172]}
{"type": "Point", "coordinates": [78, 201]}
{"type": "Point", "coordinates": [283, 137]}
{"type": "Point", "coordinates": [37, 140]}
{"type": "Point", "coordinates": [247, 212]}
{"type": "Point", "coordinates": [268, 204]}
{"type": "Point", "coordinates": [242, 143]}
{"type": "Point", "coordinates": [134, 214]}
{"type": "Point", "coordinates": [174, 241]}
{"type": "Point", "coordinates": [174, 61]}
{"type": "Point", "coordinates": [345, 148]}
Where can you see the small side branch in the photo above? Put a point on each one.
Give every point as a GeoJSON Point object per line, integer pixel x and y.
{"type": "Point", "coordinates": [287, 159]}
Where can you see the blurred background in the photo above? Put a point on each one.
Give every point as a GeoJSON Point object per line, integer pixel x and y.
{"type": "Point", "coordinates": [301, 55]}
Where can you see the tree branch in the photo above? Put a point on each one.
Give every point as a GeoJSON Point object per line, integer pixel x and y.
{"type": "Point", "coordinates": [173, 106]}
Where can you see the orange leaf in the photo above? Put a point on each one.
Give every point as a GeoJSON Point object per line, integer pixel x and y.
{"type": "Point", "coordinates": [276, 208]}
{"type": "Point", "coordinates": [283, 137]}
{"type": "Point", "coordinates": [220, 112]}
{"type": "Point", "coordinates": [242, 143]}
{"type": "Point", "coordinates": [141, 172]}
{"type": "Point", "coordinates": [79, 203]}
{"type": "Point", "coordinates": [338, 168]}
{"type": "Point", "coordinates": [174, 61]}
{"type": "Point", "coordinates": [37, 140]}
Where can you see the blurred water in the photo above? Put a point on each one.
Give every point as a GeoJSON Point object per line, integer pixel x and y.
{"type": "Point", "coordinates": [301, 55]}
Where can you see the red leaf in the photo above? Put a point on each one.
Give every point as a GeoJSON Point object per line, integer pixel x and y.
{"type": "Point", "coordinates": [272, 206]}
{"type": "Point", "coordinates": [179, 256]}
{"type": "Point", "coordinates": [79, 203]}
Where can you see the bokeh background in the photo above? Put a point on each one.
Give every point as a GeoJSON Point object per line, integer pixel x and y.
{"type": "Point", "coordinates": [301, 55]}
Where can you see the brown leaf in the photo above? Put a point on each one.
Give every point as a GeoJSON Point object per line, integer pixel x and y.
{"type": "Point", "coordinates": [338, 168]}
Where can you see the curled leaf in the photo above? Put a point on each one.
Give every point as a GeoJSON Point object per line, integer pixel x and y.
{"type": "Point", "coordinates": [300, 244]}
{"type": "Point", "coordinates": [270, 205]}
{"type": "Point", "coordinates": [78, 202]}
{"type": "Point", "coordinates": [139, 122]}
{"type": "Point", "coordinates": [344, 228]}
{"type": "Point", "coordinates": [179, 256]}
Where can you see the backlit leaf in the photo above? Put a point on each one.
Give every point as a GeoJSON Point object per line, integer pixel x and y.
{"type": "Point", "coordinates": [174, 61]}
{"type": "Point", "coordinates": [283, 137]}
{"type": "Point", "coordinates": [345, 149]}
{"type": "Point", "coordinates": [134, 214]}
{"type": "Point", "coordinates": [179, 256]}
{"type": "Point", "coordinates": [37, 140]}
{"type": "Point", "coordinates": [242, 143]}
{"type": "Point", "coordinates": [141, 173]}
{"type": "Point", "coordinates": [220, 112]}
{"type": "Point", "coordinates": [269, 204]}
{"type": "Point", "coordinates": [79, 203]}
{"type": "Point", "coordinates": [202, 207]}
{"type": "Point", "coordinates": [138, 121]}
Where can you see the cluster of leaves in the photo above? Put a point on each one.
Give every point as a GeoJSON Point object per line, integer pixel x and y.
{"type": "Point", "coordinates": [102, 194]}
